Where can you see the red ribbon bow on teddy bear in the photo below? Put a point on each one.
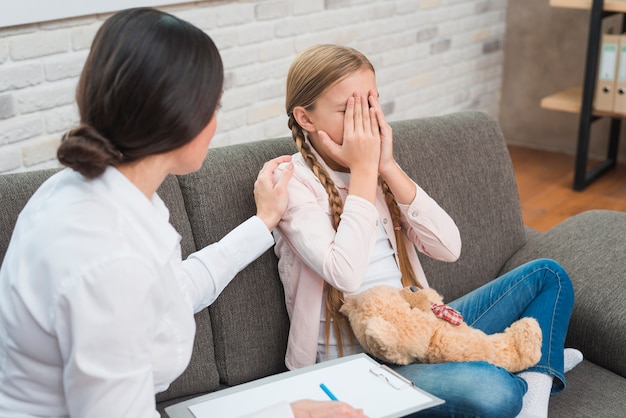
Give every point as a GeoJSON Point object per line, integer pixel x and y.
{"type": "Point", "coordinates": [447, 313]}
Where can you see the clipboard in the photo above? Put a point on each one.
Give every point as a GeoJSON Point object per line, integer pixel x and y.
{"type": "Point", "coordinates": [357, 380]}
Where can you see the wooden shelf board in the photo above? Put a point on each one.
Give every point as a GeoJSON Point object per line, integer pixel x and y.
{"type": "Point", "coordinates": [569, 101]}
{"type": "Point", "coordinates": [609, 5]}
{"type": "Point", "coordinates": [565, 101]}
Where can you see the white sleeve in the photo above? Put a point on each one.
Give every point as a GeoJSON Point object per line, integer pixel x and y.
{"type": "Point", "coordinates": [430, 228]}
{"type": "Point", "coordinates": [208, 271]}
{"type": "Point", "coordinates": [281, 410]}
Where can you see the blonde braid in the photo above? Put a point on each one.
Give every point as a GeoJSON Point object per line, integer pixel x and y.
{"type": "Point", "coordinates": [334, 297]}
{"type": "Point", "coordinates": [408, 275]}
{"type": "Point", "coordinates": [334, 199]}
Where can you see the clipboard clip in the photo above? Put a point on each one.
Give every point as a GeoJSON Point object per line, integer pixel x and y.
{"type": "Point", "coordinates": [393, 378]}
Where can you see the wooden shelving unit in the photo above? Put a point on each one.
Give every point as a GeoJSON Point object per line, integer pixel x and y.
{"type": "Point", "coordinates": [565, 101]}
{"type": "Point", "coordinates": [570, 100]}
{"type": "Point", "coordinates": [609, 5]}
{"type": "Point", "coordinates": [580, 99]}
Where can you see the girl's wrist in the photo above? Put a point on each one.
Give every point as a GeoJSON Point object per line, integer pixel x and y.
{"type": "Point", "coordinates": [363, 183]}
{"type": "Point", "coordinates": [388, 169]}
{"type": "Point", "coordinates": [364, 172]}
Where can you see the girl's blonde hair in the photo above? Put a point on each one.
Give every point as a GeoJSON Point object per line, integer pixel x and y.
{"type": "Point", "coordinates": [311, 74]}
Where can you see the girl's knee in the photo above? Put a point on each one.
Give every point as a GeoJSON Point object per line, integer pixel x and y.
{"type": "Point", "coordinates": [556, 272]}
{"type": "Point", "coordinates": [560, 276]}
{"type": "Point", "coordinates": [551, 265]}
{"type": "Point", "coordinates": [472, 389]}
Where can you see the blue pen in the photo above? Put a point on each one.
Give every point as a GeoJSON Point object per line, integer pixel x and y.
{"type": "Point", "coordinates": [328, 392]}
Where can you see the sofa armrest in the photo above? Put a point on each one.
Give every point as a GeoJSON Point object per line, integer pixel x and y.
{"type": "Point", "coordinates": [591, 247]}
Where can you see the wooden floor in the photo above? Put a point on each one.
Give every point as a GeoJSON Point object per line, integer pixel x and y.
{"type": "Point", "coordinates": [544, 181]}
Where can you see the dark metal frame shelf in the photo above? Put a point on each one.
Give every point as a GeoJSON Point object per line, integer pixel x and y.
{"type": "Point", "coordinates": [582, 176]}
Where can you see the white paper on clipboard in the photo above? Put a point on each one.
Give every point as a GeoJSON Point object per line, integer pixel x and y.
{"type": "Point", "coordinates": [357, 380]}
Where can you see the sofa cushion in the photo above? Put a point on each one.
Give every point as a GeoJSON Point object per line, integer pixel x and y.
{"type": "Point", "coordinates": [462, 161]}
{"type": "Point", "coordinates": [249, 319]}
{"type": "Point", "coordinates": [591, 392]}
{"type": "Point", "coordinates": [173, 199]}
{"type": "Point", "coordinates": [599, 319]}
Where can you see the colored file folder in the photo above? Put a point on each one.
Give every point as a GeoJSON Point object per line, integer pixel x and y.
{"type": "Point", "coordinates": [619, 99]}
{"type": "Point", "coordinates": [606, 83]}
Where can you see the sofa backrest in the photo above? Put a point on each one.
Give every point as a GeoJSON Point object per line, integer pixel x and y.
{"type": "Point", "coordinates": [462, 161]}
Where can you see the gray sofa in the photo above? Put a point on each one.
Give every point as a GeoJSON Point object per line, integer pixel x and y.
{"type": "Point", "coordinates": [461, 159]}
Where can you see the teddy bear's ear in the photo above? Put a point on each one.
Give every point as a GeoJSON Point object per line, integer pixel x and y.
{"type": "Point", "coordinates": [416, 298]}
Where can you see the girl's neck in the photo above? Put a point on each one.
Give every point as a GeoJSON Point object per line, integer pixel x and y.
{"type": "Point", "coordinates": [336, 167]}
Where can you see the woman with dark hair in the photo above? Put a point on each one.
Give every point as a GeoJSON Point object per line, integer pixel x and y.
{"type": "Point", "coordinates": [96, 305]}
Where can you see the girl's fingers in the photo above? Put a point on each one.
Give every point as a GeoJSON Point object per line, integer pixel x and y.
{"type": "Point", "coordinates": [358, 114]}
{"type": "Point", "coordinates": [375, 103]}
{"type": "Point", "coordinates": [365, 111]}
{"type": "Point", "coordinates": [331, 147]}
{"type": "Point", "coordinates": [380, 116]}
{"type": "Point", "coordinates": [348, 120]}
{"type": "Point", "coordinates": [374, 123]}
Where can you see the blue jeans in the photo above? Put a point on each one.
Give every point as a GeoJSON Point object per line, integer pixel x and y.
{"type": "Point", "coordinates": [540, 289]}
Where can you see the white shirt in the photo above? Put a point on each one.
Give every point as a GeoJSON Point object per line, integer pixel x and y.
{"type": "Point", "coordinates": [381, 271]}
{"type": "Point", "coordinates": [96, 305]}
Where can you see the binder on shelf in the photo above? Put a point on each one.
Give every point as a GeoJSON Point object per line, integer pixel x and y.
{"type": "Point", "coordinates": [606, 82]}
{"type": "Point", "coordinates": [619, 101]}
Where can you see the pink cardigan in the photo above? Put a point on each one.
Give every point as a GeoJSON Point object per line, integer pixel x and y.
{"type": "Point", "coordinates": [311, 251]}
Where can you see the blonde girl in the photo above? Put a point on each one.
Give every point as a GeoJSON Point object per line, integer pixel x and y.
{"type": "Point", "coordinates": [355, 220]}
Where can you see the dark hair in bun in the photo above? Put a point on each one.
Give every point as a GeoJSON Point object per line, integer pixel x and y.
{"type": "Point", "coordinates": [151, 83]}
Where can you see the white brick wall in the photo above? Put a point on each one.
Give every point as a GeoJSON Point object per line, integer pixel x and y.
{"type": "Point", "coordinates": [431, 56]}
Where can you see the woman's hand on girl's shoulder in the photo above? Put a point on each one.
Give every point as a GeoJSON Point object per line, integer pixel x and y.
{"type": "Point", "coordinates": [270, 194]}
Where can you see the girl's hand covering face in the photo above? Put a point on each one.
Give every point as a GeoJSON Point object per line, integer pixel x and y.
{"type": "Point", "coordinates": [361, 147]}
{"type": "Point", "coordinates": [386, 135]}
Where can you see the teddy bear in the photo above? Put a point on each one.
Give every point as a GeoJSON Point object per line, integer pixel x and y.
{"type": "Point", "coordinates": [407, 325]}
